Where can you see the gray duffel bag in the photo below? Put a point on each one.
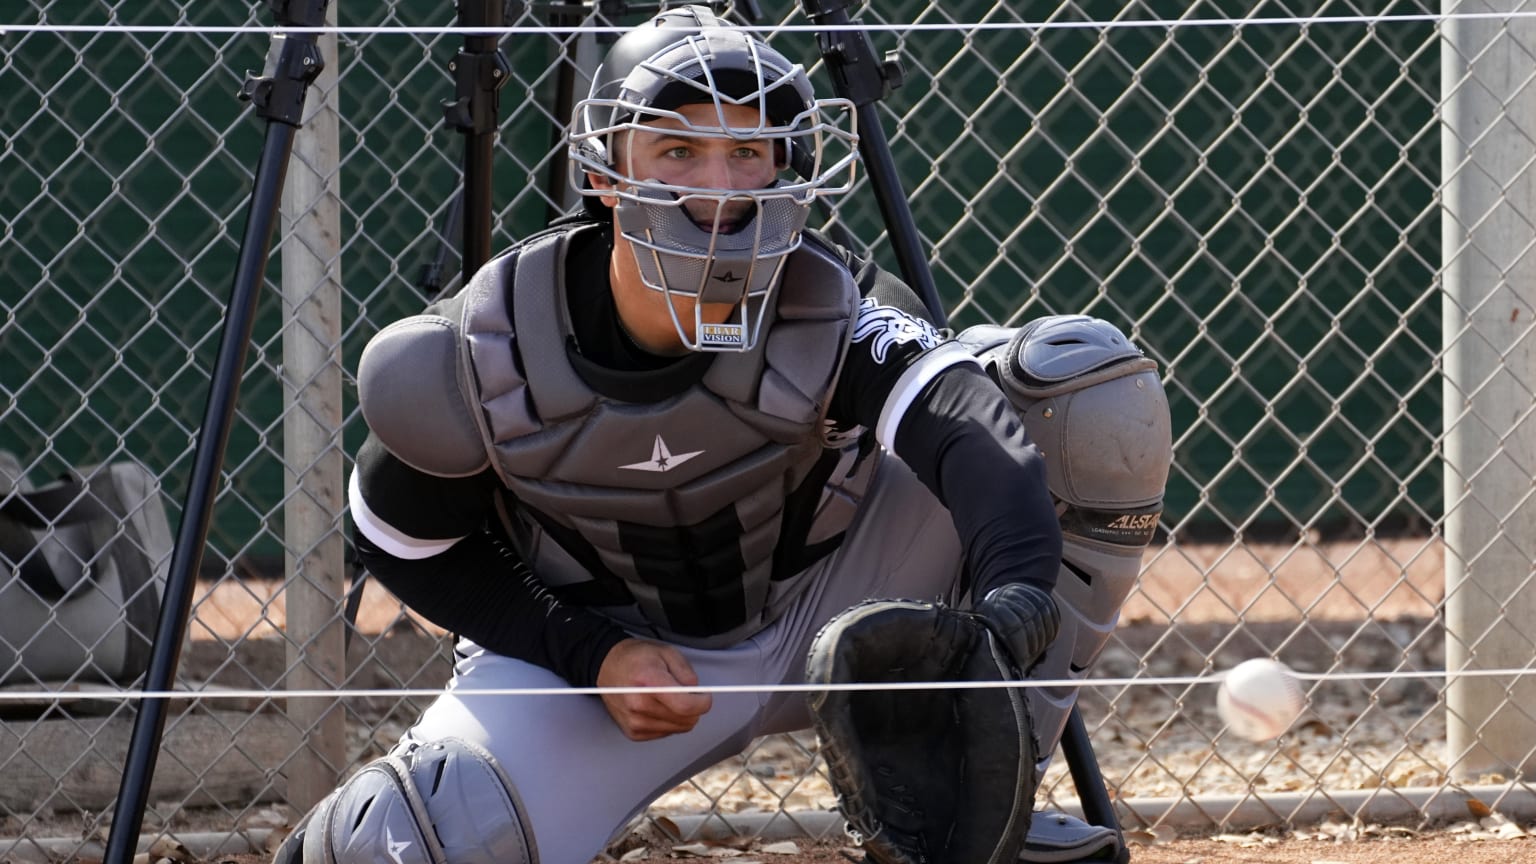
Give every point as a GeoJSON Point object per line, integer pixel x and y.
{"type": "Point", "coordinates": [82, 570]}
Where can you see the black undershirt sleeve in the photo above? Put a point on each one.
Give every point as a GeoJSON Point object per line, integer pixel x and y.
{"type": "Point", "coordinates": [478, 588]}
{"type": "Point", "coordinates": [423, 506]}
{"type": "Point", "coordinates": [966, 443]}
{"type": "Point", "coordinates": [497, 602]}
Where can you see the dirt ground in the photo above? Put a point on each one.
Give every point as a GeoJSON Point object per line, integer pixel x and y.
{"type": "Point", "coordinates": [1424, 849]}
{"type": "Point", "coordinates": [1381, 846]}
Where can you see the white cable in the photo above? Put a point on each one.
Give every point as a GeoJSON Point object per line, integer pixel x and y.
{"type": "Point", "coordinates": [201, 695]}
{"type": "Point", "coordinates": [967, 27]}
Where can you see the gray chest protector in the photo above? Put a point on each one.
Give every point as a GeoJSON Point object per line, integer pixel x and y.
{"type": "Point", "coordinates": [666, 513]}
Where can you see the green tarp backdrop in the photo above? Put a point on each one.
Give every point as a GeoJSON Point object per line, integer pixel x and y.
{"type": "Point", "coordinates": [1255, 204]}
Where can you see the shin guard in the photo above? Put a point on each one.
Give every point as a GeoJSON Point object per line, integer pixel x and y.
{"type": "Point", "coordinates": [1093, 404]}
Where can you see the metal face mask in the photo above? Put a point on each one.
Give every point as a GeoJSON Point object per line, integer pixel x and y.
{"type": "Point", "coordinates": [686, 57]}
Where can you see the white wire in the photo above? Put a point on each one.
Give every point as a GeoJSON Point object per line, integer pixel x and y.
{"type": "Point", "coordinates": [210, 695]}
{"type": "Point", "coordinates": [964, 27]}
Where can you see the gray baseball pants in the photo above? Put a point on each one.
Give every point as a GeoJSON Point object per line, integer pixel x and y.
{"type": "Point", "coordinates": [582, 780]}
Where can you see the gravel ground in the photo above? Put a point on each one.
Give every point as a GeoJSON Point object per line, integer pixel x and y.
{"type": "Point", "coordinates": [1428, 848]}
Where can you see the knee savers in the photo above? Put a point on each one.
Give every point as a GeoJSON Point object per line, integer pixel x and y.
{"type": "Point", "coordinates": [446, 801]}
{"type": "Point", "coordinates": [1093, 404]}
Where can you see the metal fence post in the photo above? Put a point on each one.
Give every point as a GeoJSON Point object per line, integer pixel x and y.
{"type": "Point", "coordinates": [313, 482]}
{"type": "Point", "coordinates": [1490, 357]}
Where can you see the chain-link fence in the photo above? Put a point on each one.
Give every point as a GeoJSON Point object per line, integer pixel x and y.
{"type": "Point", "coordinates": [1314, 221]}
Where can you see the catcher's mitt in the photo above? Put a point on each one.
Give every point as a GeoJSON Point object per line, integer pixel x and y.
{"type": "Point", "coordinates": [924, 776]}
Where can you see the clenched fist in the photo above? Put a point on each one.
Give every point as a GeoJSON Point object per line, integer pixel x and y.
{"type": "Point", "coordinates": [645, 716]}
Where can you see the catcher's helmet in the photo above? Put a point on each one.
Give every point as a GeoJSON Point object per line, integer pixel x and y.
{"type": "Point", "coordinates": [687, 56]}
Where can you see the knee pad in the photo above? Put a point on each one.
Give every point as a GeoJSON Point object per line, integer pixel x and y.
{"type": "Point", "coordinates": [446, 801]}
{"type": "Point", "coordinates": [1094, 405]}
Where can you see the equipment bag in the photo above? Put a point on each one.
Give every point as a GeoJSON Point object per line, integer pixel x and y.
{"type": "Point", "coordinates": [82, 570]}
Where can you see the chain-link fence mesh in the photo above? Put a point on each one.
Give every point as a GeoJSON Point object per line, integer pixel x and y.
{"type": "Point", "coordinates": [1262, 206]}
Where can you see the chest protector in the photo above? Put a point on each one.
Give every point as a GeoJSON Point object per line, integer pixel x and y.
{"type": "Point", "coordinates": [680, 501]}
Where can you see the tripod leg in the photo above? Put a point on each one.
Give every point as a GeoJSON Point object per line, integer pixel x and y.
{"type": "Point", "coordinates": [479, 70]}
{"type": "Point", "coordinates": [278, 95]}
{"type": "Point", "coordinates": [1084, 768]}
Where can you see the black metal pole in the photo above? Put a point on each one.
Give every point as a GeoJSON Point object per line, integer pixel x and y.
{"type": "Point", "coordinates": [479, 72]}
{"type": "Point", "coordinates": [861, 78]}
{"type": "Point", "coordinates": [293, 61]}
{"type": "Point", "coordinates": [431, 280]}
{"type": "Point", "coordinates": [567, 57]}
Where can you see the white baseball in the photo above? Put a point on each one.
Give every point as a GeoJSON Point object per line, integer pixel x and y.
{"type": "Point", "coordinates": [1260, 699]}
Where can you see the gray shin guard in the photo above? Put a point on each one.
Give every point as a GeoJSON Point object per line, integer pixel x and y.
{"type": "Point", "coordinates": [1090, 590]}
{"type": "Point", "coordinates": [1093, 584]}
{"type": "Point", "coordinates": [446, 801]}
{"type": "Point", "coordinates": [1093, 404]}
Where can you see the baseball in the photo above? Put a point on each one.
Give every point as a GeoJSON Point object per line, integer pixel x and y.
{"type": "Point", "coordinates": [1260, 699]}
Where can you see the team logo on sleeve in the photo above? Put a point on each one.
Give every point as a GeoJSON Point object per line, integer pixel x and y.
{"type": "Point", "coordinates": [889, 326]}
{"type": "Point", "coordinates": [836, 437]}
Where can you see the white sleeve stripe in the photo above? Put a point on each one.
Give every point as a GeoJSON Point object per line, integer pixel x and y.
{"type": "Point", "coordinates": [912, 382]}
{"type": "Point", "coordinates": [390, 540]}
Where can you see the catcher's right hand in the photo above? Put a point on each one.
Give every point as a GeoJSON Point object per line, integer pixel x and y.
{"type": "Point", "coordinates": [648, 716]}
{"type": "Point", "coordinates": [924, 776]}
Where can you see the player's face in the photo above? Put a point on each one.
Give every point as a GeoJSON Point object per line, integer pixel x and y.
{"type": "Point", "coordinates": [710, 163]}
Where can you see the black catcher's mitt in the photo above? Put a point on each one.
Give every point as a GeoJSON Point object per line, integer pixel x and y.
{"type": "Point", "coordinates": [925, 776]}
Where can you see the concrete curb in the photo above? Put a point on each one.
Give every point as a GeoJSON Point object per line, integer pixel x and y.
{"type": "Point", "coordinates": [1193, 815]}
{"type": "Point", "coordinates": [1386, 806]}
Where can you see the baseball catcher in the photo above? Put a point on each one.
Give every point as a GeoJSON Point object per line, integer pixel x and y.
{"type": "Point", "coordinates": [659, 446]}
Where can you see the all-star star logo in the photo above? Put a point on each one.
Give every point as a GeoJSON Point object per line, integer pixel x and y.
{"type": "Point", "coordinates": [727, 277]}
{"type": "Point", "coordinates": [394, 846]}
{"type": "Point", "coordinates": [662, 459]}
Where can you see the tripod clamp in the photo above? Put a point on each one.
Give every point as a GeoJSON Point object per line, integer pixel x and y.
{"type": "Point", "coordinates": [863, 80]}
{"type": "Point", "coordinates": [293, 62]}
{"type": "Point", "coordinates": [850, 58]}
{"type": "Point", "coordinates": [477, 76]}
